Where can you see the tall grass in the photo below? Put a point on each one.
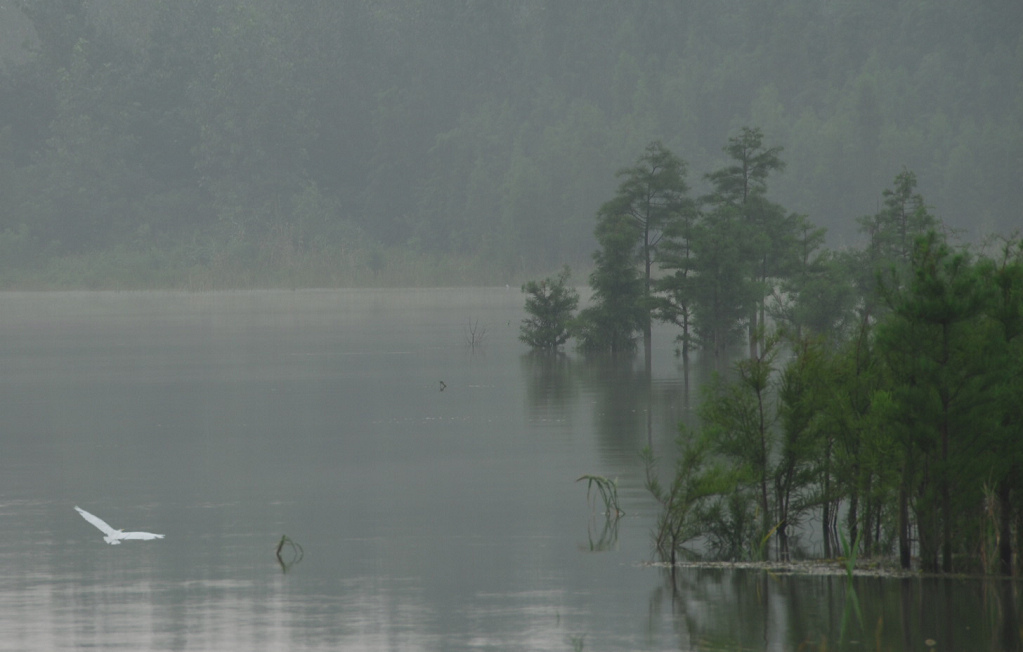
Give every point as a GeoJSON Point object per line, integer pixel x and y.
{"type": "Point", "coordinates": [608, 491]}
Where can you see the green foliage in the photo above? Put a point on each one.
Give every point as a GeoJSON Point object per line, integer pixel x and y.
{"type": "Point", "coordinates": [720, 264]}
{"type": "Point", "coordinates": [674, 297]}
{"type": "Point", "coordinates": [903, 415]}
{"type": "Point", "coordinates": [891, 234]}
{"type": "Point", "coordinates": [742, 480]}
{"type": "Point", "coordinates": [652, 198]}
{"type": "Point", "coordinates": [550, 305]}
{"type": "Point", "coordinates": [816, 297]}
{"type": "Point", "coordinates": [797, 460]}
{"type": "Point", "coordinates": [904, 218]}
{"type": "Point", "coordinates": [653, 194]}
{"type": "Point", "coordinates": [765, 235]}
{"type": "Point", "coordinates": [744, 181]}
{"type": "Point", "coordinates": [741, 421]}
{"type": "Point", "coordinates": [682, 501]}
{"type": "Point", "coordinates": [858, 444]}
{"type": "Point", "coordinates": [722, 295]}
{"type": "Point", "coordinates": [610, 324]}
{"type": "Point", "coordinates": [937, 351]}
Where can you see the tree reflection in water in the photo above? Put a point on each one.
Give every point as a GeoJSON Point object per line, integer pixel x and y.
{"type": "Point", "coordinates": [776, 609]}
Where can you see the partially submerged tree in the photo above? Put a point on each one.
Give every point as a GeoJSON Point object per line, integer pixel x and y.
{"type": "Point", "coordinates": [1002, 452]}
{"type": "Point", "coordinates": [684, 499]}
{"type": "Point", "coordinates": [799, 443]}
{"type": "Point", "coordinates": [651, 197]}
{"type": "Point", "coordinates": [766, 235]}
{"type": "Point", "coordinates": [906, 422]}
{"type": "Point", "coordinates": [817, 297]}
{"type": "Point", "coordinates": [934, 343]}
{"type": "Point", "coordinates": [674, 301]}
{"type": "Point", "coordinates": [550, 304]}
{"type": "Point", "coordinates": [741, 418]}
{"type": "Point", "coordinates": [720, 291]}
{"type": "Point", "coordinates": [610, 324]}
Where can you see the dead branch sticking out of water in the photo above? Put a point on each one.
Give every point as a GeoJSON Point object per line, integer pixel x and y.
{"type": "Point", "coordinates": [291, 556]}
{"type": "Point", "coordinates": [474, 334]}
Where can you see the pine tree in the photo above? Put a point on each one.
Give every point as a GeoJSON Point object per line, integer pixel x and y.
{"type": "Point", "coordinates": [936, 350]}
{"type": "Point", "coordinates": [652, 196]}
{"type": "Point", "coordinates": [617, 314]}
{"type": "Point", "coordinates": [550, 305]}
{"type": "Point", "coordinates": [766, 233]}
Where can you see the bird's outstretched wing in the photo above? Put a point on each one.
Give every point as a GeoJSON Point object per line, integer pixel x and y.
{"type": "Point", "coordinates": [97, 521]}
{"type": "Point", "coordinates": [139, 535]}
{"type": "Point", "coordinates": [112, 536]}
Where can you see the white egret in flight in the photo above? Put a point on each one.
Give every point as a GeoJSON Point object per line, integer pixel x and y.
{"type": "Point", "coordinates": [112, 536]}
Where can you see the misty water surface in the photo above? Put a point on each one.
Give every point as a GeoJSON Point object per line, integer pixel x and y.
{"type": "Point", "coordinates": [430, 518]}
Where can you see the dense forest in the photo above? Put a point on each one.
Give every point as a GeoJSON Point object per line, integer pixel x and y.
{"type": "Point", "coordinates": [148, 141]}
{"type": "Point", "coordinates": [877, 408]}
{"type": "Point", "coordinates": [894, 431]}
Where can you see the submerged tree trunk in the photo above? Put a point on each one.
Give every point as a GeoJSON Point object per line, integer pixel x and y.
{"type": "Point", "coordinates": [1010, 630]}
{"type": "Point", "coordinates": [826, 512]}
{"type": "Point", "coordinates": [783, 499]}
{"type": "Point", "coordinates": [764, 495]}
{"type": "Point", "coordinates": [753, 335]}
{"type": "Point", "coordinates": [648, 355]}
{"type": "Point", "coordinates": [852, 517]}
{"type": "Point", "coordinates": [826, 529]}
{"type": "Point", "coordinates": [904, 546]}
{"type": "Point", "coordinates": [927, 524]}
{"type": "Point", "coordinates": [1004, 528]}
{"type": "Point", "coordinates": [647, 287]}
{"type": "Point", "coordinates": [868, 515]}
{"type": "Point", "coordinates": [925, 530]}
{"type": "Point", "coordinates": [946, 499]}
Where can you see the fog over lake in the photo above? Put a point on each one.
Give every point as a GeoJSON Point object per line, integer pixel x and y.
{"type": "Point", "coordinates": [429, 487]}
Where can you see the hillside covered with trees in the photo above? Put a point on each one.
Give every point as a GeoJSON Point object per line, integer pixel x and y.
{"type": "Point", "coordinates": [150, 142]}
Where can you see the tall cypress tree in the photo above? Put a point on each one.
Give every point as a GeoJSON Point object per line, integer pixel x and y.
{"type": "Point", "coordinates": [767, 233]}
{"type": "Point", "coordinates": [1002, 452]}
{"type": "Point", "coordinates": [652, 196]}
{"type": "Point", "coordinates": [722, 293]}
{"type": "Point", "coordinates": [611, 323]}
{"type": "Point", "coordinates": [675, 299]}
{"type": "Point", "coordinates": [936, 352]}
{"type": "Point", "coordinates": [891, 233]}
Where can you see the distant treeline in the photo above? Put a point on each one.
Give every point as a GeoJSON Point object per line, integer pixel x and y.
{"type": "Point", "coordinates": [371, 139]}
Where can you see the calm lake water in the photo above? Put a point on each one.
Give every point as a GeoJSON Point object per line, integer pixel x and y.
{"type": "Point", "coordinates": [425, 519]}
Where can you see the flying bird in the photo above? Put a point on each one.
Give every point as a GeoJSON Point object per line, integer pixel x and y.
{"type": "Point", "coordinates": [112, 536]}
